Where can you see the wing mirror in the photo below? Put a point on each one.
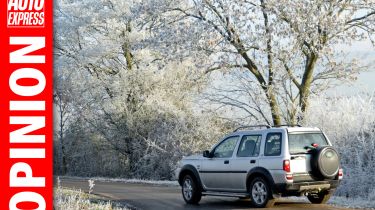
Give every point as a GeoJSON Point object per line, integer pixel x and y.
{"type": "Point", "coordinates": [206, 154]}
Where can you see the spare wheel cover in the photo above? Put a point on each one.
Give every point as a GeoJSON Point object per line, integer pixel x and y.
{"type": "Point", "coordinates": [328, 162]}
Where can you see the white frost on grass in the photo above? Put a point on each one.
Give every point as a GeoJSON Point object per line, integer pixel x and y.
{"type": "Point", "coordinates": [133, 181]}
{"type": "Point", "coordinates": [356, 203]}
{"type": "Point", "coordinates": [68, 199]}
{"type": "Point", "coordinates": [352, 202]}
{"type": "Point", "coordinates": [72, 199]}
{"type": "Point", "coordinates": [139, 181]}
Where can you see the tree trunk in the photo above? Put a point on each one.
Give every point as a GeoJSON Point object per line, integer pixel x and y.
{"type": "Point", "coordinates": [292, 116]}
{"type": "Point", "coordinates": [64, 167]}
{"type": "Point", "coordinates": [275, 111]}
{"type": "Point", "coordinates": [306, 82]}
{"type": "Point", "coordinates": [126, 48]}
{"type": "Point", "coordinates": [61, 135]}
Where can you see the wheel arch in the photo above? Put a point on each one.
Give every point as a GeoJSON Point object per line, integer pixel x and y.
{"type": "Point", "coordinates": [260, 172]}
{"type": "Point", "coordinates": [192, 171]}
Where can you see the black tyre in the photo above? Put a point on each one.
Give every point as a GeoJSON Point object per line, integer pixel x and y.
{"type": "Point", "coordinates": [319, 198]}
{"type": "Point", "coordinates": [190, 190]}
{"type": "Point", "coordinates": [325, 162]}
{"type": "Point", "coordinates": [260, 193]}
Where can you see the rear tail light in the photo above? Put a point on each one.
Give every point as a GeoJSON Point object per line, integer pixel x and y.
{"type": "Point", "coordinates": [341, 173]}
{"type": "Point", "coordinates": [286, 168]}
{"type": "Point", "coordinates": [286, 165]}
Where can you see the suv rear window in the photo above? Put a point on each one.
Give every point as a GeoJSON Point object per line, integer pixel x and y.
{"type": "Point", "coordinates": [302, 142]}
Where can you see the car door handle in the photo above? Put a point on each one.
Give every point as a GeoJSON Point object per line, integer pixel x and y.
{"type": "Point", "coordinates": [226, 161]}
{"type": "Point", "coordinates": [252, 161]}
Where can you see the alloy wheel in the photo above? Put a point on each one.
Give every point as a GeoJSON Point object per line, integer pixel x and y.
{"type": "Point", "coordinates": [187, 189]}
{"type": "Point", "coordinates": [259, 192]}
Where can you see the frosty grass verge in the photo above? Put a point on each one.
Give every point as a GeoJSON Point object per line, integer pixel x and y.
{"type": "Point", "coordinates": [69, 199]}
{"type": "Point", "coordinates": [335, 200]}
{"type": "Point", "coordinates": [134, 181]}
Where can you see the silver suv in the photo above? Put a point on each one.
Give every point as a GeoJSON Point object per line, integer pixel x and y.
{"type": "Point", "coordinates": [264, 164]}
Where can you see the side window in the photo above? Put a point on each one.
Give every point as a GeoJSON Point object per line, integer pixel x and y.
{"type": "Point", "coordinates": [273, 144]}
{"type": "Point", "coordinates": [225, 149]}
{"type": "Point", "coordinates": [249, 146]}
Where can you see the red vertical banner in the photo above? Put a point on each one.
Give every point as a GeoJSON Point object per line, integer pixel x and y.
{"type": "Point", "coordinates": [26, 132]}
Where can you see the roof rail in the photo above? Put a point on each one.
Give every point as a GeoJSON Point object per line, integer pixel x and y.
{"type": "Point", "coordinates": [251, 126]}
{"type": "Point", "coordinates": [288, 125]}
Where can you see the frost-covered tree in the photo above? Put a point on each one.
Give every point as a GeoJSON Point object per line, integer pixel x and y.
{"type": "Point", "coordinates": [349, 124]}
{"type": "Point", "coordinates": [134, 105]}
{"type": "Point", "coordinates": [64, 99]}
{"type": "Point", "coordinates": [287, 48]}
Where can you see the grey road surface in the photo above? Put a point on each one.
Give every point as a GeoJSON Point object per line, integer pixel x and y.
{"type": "Point", "coordinates": [156, 197]}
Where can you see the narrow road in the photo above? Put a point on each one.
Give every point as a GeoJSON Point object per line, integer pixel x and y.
{"type": "Point", "coordinates": [154, 197]}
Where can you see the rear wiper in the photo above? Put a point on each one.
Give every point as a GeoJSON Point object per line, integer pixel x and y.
{"type": "Point", "coordinates": [309, 147]}
{"type": "Point", "coordinates": [300, 153]}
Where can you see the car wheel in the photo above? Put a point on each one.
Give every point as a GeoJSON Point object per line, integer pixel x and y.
{"type": "Point", "coordinates": [190, 191]}
{"type": "Point", "coordinates": [260, 193]}
{"type": "Point", "coordinates": [319, 198]}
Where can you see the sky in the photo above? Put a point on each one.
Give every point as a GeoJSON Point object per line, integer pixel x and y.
{"type": "Point", "coordinates": [366, 80]}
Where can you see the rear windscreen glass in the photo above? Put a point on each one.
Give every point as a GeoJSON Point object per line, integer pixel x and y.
{"type": "Point", "coordinates": [302, 142]}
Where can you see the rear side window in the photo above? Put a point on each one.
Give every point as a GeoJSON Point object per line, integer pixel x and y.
{"type": "Point", "coordinates": [302, 142]}
{"type": "Point", "coordinates": [249, 146]}
{"type": "Point", "coordinates": [273, 144]}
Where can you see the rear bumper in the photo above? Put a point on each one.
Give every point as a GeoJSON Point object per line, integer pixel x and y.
{"type": "Point", "coordinates": [302, 187]}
